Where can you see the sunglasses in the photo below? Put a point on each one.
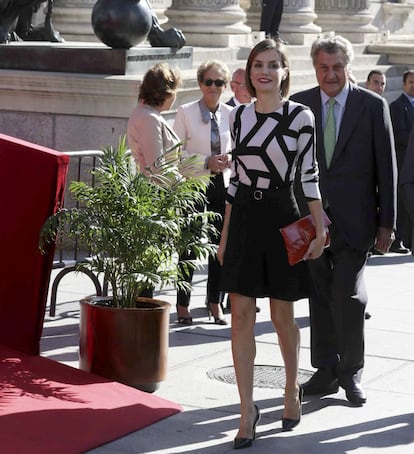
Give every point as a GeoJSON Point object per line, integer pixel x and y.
{"type": "Point", "coordinates": [217, 82]}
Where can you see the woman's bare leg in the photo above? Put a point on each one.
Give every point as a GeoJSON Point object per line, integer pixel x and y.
{"type": "Point", "coordinates": [243, 318]}
{"type": "Point", "coordinates": [282, 315]}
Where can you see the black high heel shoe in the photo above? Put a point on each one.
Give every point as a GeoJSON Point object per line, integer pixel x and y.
{"type": "Point", "coordinates": [240, 443]}
{"type": "Point", "coordinates": [217, 320]}
{"type": "Point", "coordinates": [289, 424]}
{"type": "Point", "coordinates": [183, 320]}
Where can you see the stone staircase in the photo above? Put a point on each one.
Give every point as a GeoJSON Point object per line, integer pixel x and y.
{"type": "Point", "coordinates": [302, 72]}
{"type": "Point", "coordinates": [79, 111]}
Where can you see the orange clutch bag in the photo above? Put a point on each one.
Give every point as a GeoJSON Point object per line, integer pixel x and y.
{"type": "Point", "coordinates": [298, 235]}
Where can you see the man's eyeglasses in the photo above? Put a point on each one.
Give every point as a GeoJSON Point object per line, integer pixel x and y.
{"type": "Point", "coordinates": [240, 84]}
{"type": "Point", "coordinates": [217, 82]}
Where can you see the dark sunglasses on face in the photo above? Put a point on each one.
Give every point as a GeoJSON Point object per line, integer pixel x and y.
{"type": "Point", "coordinates": [217, 82]}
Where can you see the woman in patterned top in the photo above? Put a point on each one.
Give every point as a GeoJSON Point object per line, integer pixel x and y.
{"type": "Point", "coordinates": [272, 139]}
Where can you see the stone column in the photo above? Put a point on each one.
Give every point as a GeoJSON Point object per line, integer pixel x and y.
{"type": "Point", "coordinates": [297, 25]}
{"type": "Point", "coordinates": [348, 18]}
{"type": "Point", "coordinates": [159, 7]}
{"type": "Point", "coordinates": [253, 15]}
{"type": "Point", "coordinates": [72, 18]}
{"type": "Point", "coordinates": [210, 23]}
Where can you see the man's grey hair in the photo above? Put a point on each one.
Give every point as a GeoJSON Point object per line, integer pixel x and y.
{"type": "Point", "coordinates": [236, 72]}
{"type": "Point", "coordinates": [331, 45]}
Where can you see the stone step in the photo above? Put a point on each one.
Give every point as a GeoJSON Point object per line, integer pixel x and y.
{"type": "Point", "coordinates": [235, 57]}
{"type": "Point", "coordinates": [299, 57]}
{"type": "Point", "coordinates": [225, 54]}
{"type": "Point", "coordinates": [302, 72]}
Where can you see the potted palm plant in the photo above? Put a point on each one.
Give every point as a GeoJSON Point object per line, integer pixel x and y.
{"type": "Point", "coordinates": [136, 227]}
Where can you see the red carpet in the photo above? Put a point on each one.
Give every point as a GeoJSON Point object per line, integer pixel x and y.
{"type": "Point", "coordinates": [48, 408]}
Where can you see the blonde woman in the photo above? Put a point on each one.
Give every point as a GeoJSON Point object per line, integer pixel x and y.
{"type": "Point", "coordinates": [204, 127]}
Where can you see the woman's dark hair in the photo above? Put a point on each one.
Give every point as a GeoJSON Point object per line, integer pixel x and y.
{"type": "Point", "coordinates": [263, 46]}
{"type": "Point", "coordinates": [159, 82]}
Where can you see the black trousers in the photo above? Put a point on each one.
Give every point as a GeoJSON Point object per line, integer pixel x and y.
{"type": "Point", "coordinates": [216, 193]}
{"type": "Point", "coordinates": [408, 197]}
{"type": "Point", "coordinates": [404, 223]}
{"type": "Point", "coordinates": [337, 308]}
{"type": "Point", "coordinates": [271, 16]}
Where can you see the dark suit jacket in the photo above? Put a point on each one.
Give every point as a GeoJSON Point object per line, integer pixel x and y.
{"type": "Point", "coordinates": [231, 102]}
{"type": "Point", "coordinates": [406, 177]}
{"type": "Point", "coordinates": [360, 183]}
{"type": "Point", "coordinates": [407, 171]}
{"type": "Point", "coordinates": [402, 116]}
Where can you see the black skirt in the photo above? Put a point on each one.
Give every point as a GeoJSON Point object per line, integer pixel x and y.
{"type": "Point", "coordinates": [255, 261]}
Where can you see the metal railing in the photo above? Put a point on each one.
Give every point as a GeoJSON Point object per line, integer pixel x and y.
{"type": "Point", "coordinates": [69, 254]}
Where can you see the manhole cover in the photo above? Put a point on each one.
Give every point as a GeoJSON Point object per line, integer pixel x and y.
{"type": "Point", "coordinates": [264, 376]}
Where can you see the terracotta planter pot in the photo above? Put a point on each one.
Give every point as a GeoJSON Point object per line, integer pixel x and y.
{"type": "Point", "coordinates": [125, 345]}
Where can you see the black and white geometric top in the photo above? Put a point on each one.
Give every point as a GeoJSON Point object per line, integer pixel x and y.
{"type": "Point", "coordinates": [267, 148]}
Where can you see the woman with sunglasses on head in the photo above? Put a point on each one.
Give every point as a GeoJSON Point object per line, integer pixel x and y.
{"type": "Point", "coordinates": [204, 127]}
{"type": "Point", "coordinates": [272, 138]}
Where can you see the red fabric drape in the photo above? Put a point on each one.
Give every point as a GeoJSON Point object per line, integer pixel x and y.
{"type": "Point", "coordinates": [32, 182]}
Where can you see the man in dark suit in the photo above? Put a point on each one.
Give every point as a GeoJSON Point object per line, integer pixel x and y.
{"type": "Point", "coordinates": [271, 17]}
{"type": "Point", "coordinates": [376, 81]}
{"type": "Point", "coordinates": [238, 87]}
{"type": "Point", "coordinates": [356, 156]}
{"type": "Point", "coordinates": [402, 116]}
{"type": "Point", "coordinates": [406, 181]}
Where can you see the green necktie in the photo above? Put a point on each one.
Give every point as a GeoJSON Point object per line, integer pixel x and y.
{"type": "Point", "coordinates": [329, 133]}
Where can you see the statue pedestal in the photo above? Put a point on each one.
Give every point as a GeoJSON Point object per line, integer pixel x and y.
{"type": "Point", "coordinates": [89, 58]}
{"type": "Point", "coordinates": [77, 96]}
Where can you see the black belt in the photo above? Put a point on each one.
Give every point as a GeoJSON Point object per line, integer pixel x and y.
{"type": "Point", "coordinates": [260, 194]}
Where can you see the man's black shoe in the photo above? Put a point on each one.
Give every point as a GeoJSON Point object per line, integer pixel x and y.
{"type": "Point", "coordinates": [374, 251]}
{"type": "Point", "coordinates": [399, 248]}
{"type": "Point", "coordinates": [355, 394]}
{"type": "Point", "coordinates": [322, 382]}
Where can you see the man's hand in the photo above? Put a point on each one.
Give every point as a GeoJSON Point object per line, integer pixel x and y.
{"type": "Point", "coordinates": [385, 237]}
